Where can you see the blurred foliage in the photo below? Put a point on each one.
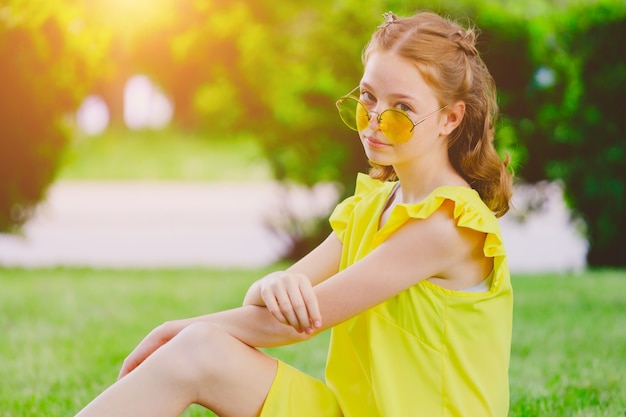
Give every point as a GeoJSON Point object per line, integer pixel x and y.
{"type": "Point", "coordinates": [47, 57]}
{"type": "Point", "coordinates": [562, 81]}
{"type": "Point", "coordinates": [274, 71]}
{"type": "Point", "coordinates": [580, 134]}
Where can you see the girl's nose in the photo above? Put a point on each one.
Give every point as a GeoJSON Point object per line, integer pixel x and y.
{"type": "Point", "coordinates": [374, 119]}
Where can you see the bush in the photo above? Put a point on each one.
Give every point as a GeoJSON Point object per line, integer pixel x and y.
{"type": "Point", "coordinates": [43, 74]}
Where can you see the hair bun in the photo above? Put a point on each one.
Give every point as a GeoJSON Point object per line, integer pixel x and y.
{"type": "Point", "coordinates": [466, 39]}
{"type": "Point", "coordinates": [390, 17]}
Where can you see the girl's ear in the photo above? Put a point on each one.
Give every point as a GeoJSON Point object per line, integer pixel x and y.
{"type": "Point", "coordinates": [453, 117]}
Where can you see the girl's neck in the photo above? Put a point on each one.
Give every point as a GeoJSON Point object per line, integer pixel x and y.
{"type": "Point", "coordinates": [417, 182]}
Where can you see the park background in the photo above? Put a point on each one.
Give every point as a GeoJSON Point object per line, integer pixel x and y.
{"type": "Point", "coordinates": [213, 124]}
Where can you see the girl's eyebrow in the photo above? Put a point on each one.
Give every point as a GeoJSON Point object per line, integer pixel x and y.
{"type": "Point", "coordinates": [401, 96]}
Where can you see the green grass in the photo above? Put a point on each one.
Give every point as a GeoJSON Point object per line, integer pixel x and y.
{"type": "Point", "coordinates": [65, 332]}
{"type": "Point", "coordinates": [163, 155]}
{"type": "Point", "coordinates": [569, 345]}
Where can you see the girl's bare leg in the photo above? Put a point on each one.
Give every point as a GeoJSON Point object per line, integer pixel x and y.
{"type": "Point", "coordinates": [204, 365]}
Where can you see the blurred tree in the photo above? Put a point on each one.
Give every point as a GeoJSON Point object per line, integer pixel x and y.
{"type": "Point", "coordinates": [561, 78]}
{"type": "Point", "coordinates": [140, 31]}
{"type": "Point", "coordinates": [574, 130]}
{"type": "Point", "coordinates": [46, 62]}
{"type": "Point", "coordinates": [274, 72]}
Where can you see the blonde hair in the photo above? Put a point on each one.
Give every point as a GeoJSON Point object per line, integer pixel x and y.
{"type": "Point", "coordinates": [445, 54]}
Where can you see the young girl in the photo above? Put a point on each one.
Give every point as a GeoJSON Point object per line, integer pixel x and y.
{"type": "Point", "coordinates": [413, 280]}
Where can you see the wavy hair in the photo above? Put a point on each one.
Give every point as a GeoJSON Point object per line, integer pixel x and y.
{"type": "Point", "coordinates": [445, 53]}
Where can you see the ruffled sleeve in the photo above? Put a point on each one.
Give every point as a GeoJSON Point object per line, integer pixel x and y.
{"type": "Point", "coordinates": [342, 213]}
{"type": "Point", "coordinates": [469, 212]}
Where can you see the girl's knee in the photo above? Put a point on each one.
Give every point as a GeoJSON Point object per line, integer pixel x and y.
{"type": "Point", "coordinates": [201, 333]}
{"type": "Point", "coordinates": [202, 349]}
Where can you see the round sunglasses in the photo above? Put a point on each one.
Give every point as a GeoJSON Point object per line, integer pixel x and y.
{"type": "Point", "coordinates": [395, 124]}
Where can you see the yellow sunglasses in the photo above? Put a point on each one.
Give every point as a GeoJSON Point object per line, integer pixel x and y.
{"type": "Point", "coordinates": [395, 124]}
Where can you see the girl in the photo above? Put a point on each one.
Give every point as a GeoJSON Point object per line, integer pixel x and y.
{"type": "Point", "coordinates": [413, 280]}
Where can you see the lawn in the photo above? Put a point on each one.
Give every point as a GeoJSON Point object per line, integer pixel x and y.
{"type": "Point", "coordinates": [65, 333]}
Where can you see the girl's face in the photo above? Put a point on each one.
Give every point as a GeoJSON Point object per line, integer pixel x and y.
{"type": "Point", "coordinates": [390, 81]}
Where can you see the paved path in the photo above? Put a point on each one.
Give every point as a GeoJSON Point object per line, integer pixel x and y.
{"type": "Point", "coordinates": [145, 224]}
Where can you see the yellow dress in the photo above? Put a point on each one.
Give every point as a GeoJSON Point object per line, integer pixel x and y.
{"type": "Point", "coordinates": [428, 351]}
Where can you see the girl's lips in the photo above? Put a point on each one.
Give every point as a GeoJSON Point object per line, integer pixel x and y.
{"type": "Point", "coordinates": [373, 143]}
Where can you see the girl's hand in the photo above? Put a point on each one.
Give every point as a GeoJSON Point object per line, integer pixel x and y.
{"type": "Point", "coordinates": [290, 298]}
{"type": "Point", "coordinates": [154, 340]}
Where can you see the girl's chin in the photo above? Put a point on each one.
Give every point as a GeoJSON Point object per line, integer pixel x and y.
{"type": "Point", "coordinates": [376, 158]}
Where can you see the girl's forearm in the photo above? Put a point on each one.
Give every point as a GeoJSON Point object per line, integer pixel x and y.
{"type": "Point", "coordinates": [253, 325]}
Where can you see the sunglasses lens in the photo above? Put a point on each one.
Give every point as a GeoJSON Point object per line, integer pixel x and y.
{"type": "Point", "coordinates": [352, 113]}
{"type": "Point", "coordinates": [347, 111]}
{"type": "Point", "coordinates": [362, 117]}
{"type": "Point", "coordinates": [396, 126]}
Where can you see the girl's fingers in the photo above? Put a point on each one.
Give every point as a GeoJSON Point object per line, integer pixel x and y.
{"type": "Point", "coordinates": [313, 311]}
{"type": "Point", "coordinates": [275, 310]}
{"type": "Point", "coordinates": [291, 300]}
{"type": "Point", "coordinates": [299, 306]}
{"type": "Point", "coordinates": [138, 355]}
{"type": "Point", "coordinates": [285, 304]}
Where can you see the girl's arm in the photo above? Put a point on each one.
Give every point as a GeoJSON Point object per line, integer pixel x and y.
{"type": "Point", "coordinates": [418, 250]}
